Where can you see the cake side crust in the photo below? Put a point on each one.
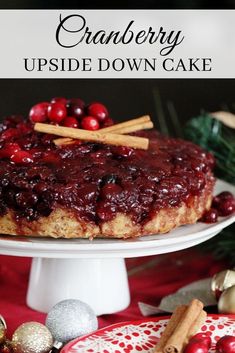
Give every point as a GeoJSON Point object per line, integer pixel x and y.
{"type": "Point", "coordinates": [63, 223]}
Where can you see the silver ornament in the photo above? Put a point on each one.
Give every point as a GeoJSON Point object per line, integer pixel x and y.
{"type": "Point", "coordinates": [221, 281]}
{"type": "Point", "coordinates": [71, 318]}
{"type": "Point", "coordinates": [226, 303]}
{"type": "Point", "coordinates": [32, 337]}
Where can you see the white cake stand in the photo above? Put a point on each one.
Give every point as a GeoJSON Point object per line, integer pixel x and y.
{"type": "Point", "coordinates": [94, 271]}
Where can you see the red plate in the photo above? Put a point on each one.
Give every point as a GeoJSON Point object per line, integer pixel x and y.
{"type": "Point", "coordinates": [142, 336]}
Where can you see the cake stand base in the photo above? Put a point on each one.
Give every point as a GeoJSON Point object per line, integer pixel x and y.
{"type": "Point", "coordinates": [101, 283]}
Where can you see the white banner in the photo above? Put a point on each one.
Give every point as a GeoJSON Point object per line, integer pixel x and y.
{"type": "Point", "coordinates": [117, 44]}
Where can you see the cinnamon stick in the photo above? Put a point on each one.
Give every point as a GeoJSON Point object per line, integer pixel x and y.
{"type": "Point", "coordinates": [196, 325]}
{"type": "Point", "coordinates": [179, 338]}
{"type": "Point", "coordinates": [173, 322]}
{"type": "Point", "coordinates": [128, 123]}
{"type": "Point", "coordinates": [142, 123]}
{"type": "Point", "coordinates": [95, 136]}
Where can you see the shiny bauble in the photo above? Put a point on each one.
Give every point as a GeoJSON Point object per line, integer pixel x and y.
{"type": "Point", "coordinates": [221, 281]}
{"type": "Point", "coordinates": [69, 319]}
{"type": "Point", "coordinates": [32, 337]}
{"type": "Point", "coordinates": [3, 329]}
{"type": "Point", "coordinates": [6, 347]}
{"type": "Point", "coordinates": [226, 303]}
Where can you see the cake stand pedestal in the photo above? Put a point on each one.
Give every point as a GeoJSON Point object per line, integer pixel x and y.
{"type": "Point", "coordinates": [102, 283]}
{"type": "Point", "coordinates": [94, 271]}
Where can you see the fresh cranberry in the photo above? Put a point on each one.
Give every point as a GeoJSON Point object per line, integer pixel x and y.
{"type": "Point", "coordinates": [75, 107]}
{"type": "Point", "coordinates": [98, 110]}
{"type": "Point", "coordinates": [38, 113]}
{"type": "Point", "coordinates": [108, 122]}
{"type": "Point", "coordinates": [196, 347]}
{"type": "Point", "coordinates": [10, 133]}
{"type": "Point", "coordinates": [202, 337]}
{"type": "Point", "coordinates": [9, 149]}
{"type": "Point", "coordinates": [210, 216]}
{"type": "Point", "coordinates": [225, 195]}
{"type": "Point", "coordinates": [22, 157]}
{"type": "Point", "coordinates": [61, 100]}
{"type": "Point", "coordinates": [56, 112]}
{"type": "Point", "coordinates": [70, 122]}
{"type": "Point", "coordinates": [226, 207]}
{"type": "Point", "coordinates": [226, 344]}
{"type": "Point", "coordinates": [26, 199]}
{"type": "Point", "coordinates": [90, 123]}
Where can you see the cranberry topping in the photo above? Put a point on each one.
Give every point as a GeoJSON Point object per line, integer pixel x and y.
{"type": "Point", "coordinates": [38, 113]}
{"type": "Point", "coordinates": [75, 108]}
{"type": "Point", "coordinates": [98, 110]}
{"type": "Point", "coordinates": [56, 112]}
{"type": "Point", "coordinates": [70, 122]}
{"type": "Point", "coordinates": [90, 123]}
{"type": "Point", "coordinates": [94, 180]}
{"type": "Point", "coordinates": [61, 100]}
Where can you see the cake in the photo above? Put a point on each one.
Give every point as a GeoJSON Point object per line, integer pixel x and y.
{"type": "Point", "coordinates": [89, 189]}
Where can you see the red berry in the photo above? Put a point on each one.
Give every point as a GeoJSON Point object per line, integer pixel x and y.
{"type": "Point", "coordinates": [9, 149]}
{"type": "Point", "coordinates": [22, 157]}
{"type": "Point", "coordinates": [226, 344]}
{"type": "Point", "coordinates": [202, 337]}
{"type": "Point", "coordinates": [10, 133]}
{"type": "Point", "coordinates": [226, 207]}
{"type": "Point", "coordinates": [196, 347]}
{"type": "Point", "coordinates": [56, 112]}
{"type": "Point", "coordinates": [225, 195]}
{"type": "Point", "coordinates": [61, 100]}
{"type": "Point", "coordinates": [70, 122]}
{"type": "Point", "coordinates": [38, 113]}
{"type": "Point", "coordinates": [98, 110]}
{"type": "Point", "coordinates": [108, 122]}
{"type": "Point", "coordinates": [210, 216]}
{"type": "Point", "coordinates": [90, 123]}
{"type": "Point", "coordinates": [75, 107]}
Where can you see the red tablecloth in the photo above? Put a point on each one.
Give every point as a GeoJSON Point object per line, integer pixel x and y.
{"type": "Point", "coordinates": [150, 279]}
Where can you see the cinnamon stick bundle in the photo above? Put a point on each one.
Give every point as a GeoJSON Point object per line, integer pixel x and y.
{"type": "Point", "coordinates": [142, 123]}
{"type": "Point", "coordinates": [183, 324]}
{"type": "Point", "coordinates": [94, 136]}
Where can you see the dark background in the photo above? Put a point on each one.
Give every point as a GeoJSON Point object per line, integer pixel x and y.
{"type": "Point", "coordinates": [125, 99]}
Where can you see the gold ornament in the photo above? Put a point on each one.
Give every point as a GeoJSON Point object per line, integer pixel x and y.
{"type": "Point", "coordinates": [226, 303]}
{"type": "Point", "coordinates": [32, 337]}
{"type": "Point", "coordinates": [221, 281]}
{"type": "Point", "coordinates": [3, 329]}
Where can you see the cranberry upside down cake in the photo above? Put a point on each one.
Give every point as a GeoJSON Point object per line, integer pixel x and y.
{"type": "Point", "coordinates": [87, 189]}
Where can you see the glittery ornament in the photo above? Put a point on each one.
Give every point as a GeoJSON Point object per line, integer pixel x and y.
{"type": "Point", "coordinates": [69, 319]}
{"type": "Point", "coordinates": [32, 337]}
{"type": "Point", "coordinates": [3, 329]}
{"type": "Point", "coordinates": [226, 303]}
{"type": "Point", "coordinates": [221, 281]}
{"type": "Point", "coordinates": [6, 347]}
